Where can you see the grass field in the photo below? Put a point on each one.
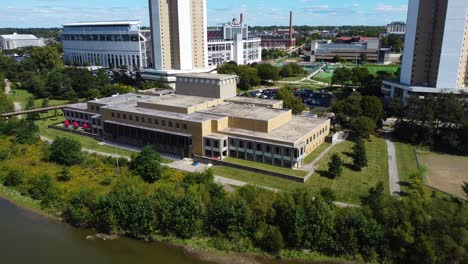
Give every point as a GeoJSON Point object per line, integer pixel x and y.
{"type": "Point", "coordinates": [445, 172]}
{"type": "Point", "coordinates": [22, 97]}
{"type": "Point", "coordinates": [406, 159]}
{"type": "Point", "coordinates": [293, 79]}
{"type": "Point", "coordinates": [348, 188]}
{"type": "Point", "coordinates": [373, 69]}
{"type": "Point", "coordinates": [266, 167]}
{"type": "Point", "coordinates": [312, 156]}
{"type": "Point", "coordinates": [324, 77]}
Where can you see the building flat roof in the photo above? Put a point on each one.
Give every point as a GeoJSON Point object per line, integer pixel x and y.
{"type": "Point", "coordinates": [104, 23]}
{"type": "Point", "coordinates": [19, 37]}
{"type": "Point", "coordinates": [195, 117]}
{"type": "Point", "coordinates": [122, 98]}
{"type": "Point", "coordinates": [79, 106]}
{"type": "Point", "coordinates": [252, 100]}
{"type": "Point", "coordinates": [210, 76]}
{"type": "Point", "coordinates": [178, 100]}
{"type": "Point", "coordinates": [290, 133]}
{"type": "Point", "coordinates": [244, 111]}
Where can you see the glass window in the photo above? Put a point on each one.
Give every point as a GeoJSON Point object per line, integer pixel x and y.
{"type": "Point", "coordinates": [259, 147]}
{"type": "Point", "coordinates": [137, 118]}
{"type": "Point", "coordinates": [177, 125]}
{"type": "Point", "coordinates": [185, 126]}
{"type": "Point", "coordinates": [130, 117]}
{"type": "Point", "coordinates": [143, 120]}
{"type": "Point", "coordinates": [170, 123]}
{"type": "Point", "coordinates": [150, 121]}
{"type": "Point", "coordinates": [163, 123]}
{"type": "Point", "coordinates": [113, 115]}
{"type": "Point", "coordinates": [207, 142]}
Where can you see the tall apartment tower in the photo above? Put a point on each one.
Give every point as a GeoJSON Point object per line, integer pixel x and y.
{"type": "Point", "coordinates": [435, 57]}
{"type": "Point", "coordinates": [179, 33]}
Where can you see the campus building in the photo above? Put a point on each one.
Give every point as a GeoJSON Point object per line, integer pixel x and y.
{"type": "Point", "coordinates": [231, 42]}
{"type": "Point", "coordinates": [179, 34]}
{"type": "Point", "coordinates": [108, 44]}
{"type": "Point", "coordinates": [396, 28]}
{"type": "Point", "coordinates": [435, 57]}
{"type": "Point", "coordinates": [214, 123]}
{"type": "Point", "coordinates": [15, 41]}
{"type": "Point", "coordinates": [281, 39]}
{"type": "Point", "coordinates": [350, 49]}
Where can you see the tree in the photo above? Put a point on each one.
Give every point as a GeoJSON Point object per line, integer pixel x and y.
{"type": "Point", "coordinates": [465, 188]}
{"type": "Point", "coordinates": [337, 58]}
{"type": "Point", "coordinates": [268, 72]}
{"type": "Point", "coordinates": [372, 107]}
{"type": "Point", "coordinates": [363, 126]}
{"type": "Point", "coordinates": [286, 94]}
{"type": "Point", "coordinates": [375, 196]}
{"type": "Point", "coordinates": [147, 165]}
{"type": "Point", "coordinates": [66, 151]}
{"type": "Point", "coordinates": [46, 58]}
{"type": "Point", "coordinates": [44, 189]}
{"type": "Point", "coordinates": [13, 178]}
{"type": "Point", "coordinates": [45, 103]}
{"type": "Point", "coordinates": [272, 240]}
{"type": "Point", "coordinates": [64, 175]}
{"type": "Point", "coordinates": [363, 58]}
{"type": "Point", "coordinates": [359, 154]}
{"type": "Point", "coordinates": [335, 166]}
{"type": "Point", "coordinates": [341, 76]}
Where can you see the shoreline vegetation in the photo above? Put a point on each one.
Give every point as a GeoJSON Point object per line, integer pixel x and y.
{"type": "Point", "coordinates": [196, 247]}
{"type": "Point", "coordinates": [147, 201]}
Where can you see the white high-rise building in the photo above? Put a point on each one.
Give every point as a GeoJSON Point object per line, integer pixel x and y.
{"type": "Point", "coordinates": [179, 34]}
{"type": "Point", "coordinates": [435, 58]}
{"type": "Point", "coordinates": [108, 44]}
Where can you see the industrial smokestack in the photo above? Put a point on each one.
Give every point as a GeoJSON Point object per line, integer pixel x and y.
{"type": "Point", "coordinates": [291, 25]}
{"type": "Point", "coordinates": [241, 18]}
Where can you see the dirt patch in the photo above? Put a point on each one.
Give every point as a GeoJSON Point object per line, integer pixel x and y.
{"type": "Point", "coordinates": [445, 172]}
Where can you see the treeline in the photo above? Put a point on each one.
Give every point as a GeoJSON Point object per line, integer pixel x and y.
{"type": "Point", "coordinates": [38, 32]}
{"type": "Point", "coordinates": [366, 31]}
{"type": "Point", "coordinates": [43, 74]}
{"type": "Point", "coordinates": [149, 201]}
{"type": "Point", "coordinates": [273, 54]}
{"type": "Point", "coordinates": [438, 121]}
{"type": "Point", "coordinates": [252, 75]}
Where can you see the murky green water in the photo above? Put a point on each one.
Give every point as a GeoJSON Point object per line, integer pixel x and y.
{"type": "Point", "coordinates": [27, 238]}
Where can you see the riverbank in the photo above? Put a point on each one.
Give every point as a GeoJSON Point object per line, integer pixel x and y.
{"type": "Point", "coordinates": [197, 247]}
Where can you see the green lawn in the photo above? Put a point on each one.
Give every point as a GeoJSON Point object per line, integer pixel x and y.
{"type": "Point", "coordinates": [22, 97]}
{"type": "Point", "coordinates": [312, 156]}
{"type": "Point", "coordinates": [293, 79]}
{"type": "Point", "coordinates": [295, 173]}
{"type": "Point", "coordinates": [348, 188]}
{"type": "Point", "coordinates": [406, 159]}
{"type": "Point", "coordinates": [373, 69]}
{"type": "Point", "coordinates": [324, 77]}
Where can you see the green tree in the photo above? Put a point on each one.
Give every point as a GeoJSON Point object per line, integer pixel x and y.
{"type": "Point", "coordinates": [44, 189]}
{"type": "Point", "coordinates": [46, 58]}
{"type": "Point", "coordinates": [465, 188]}
{"type": "Point", "coordinates": [363, 58]}
{"type": "Point", "coordinates": [45, 103]}
{"type": "Point", "coordinates": [272, 240]}
{"type": "Point", "coordinates": [342, 76]}
{"type": "Point", "coordinates": [79, 208]}
{"type": "Point", "coordinates": [65, 175]}
{"type": "Point", "coordinates": [363, 126]}
{"type": "Point", "coordinates": [268, 72]}
{"type": "Point", "coordinates": [335, 166]}
{"type": "Point", "coordinates": [337, 58]}
{"type": "Point", "coordinates": [13, 178]}
{"type": "Point", "coordinates": [375, 197]}
{"type": "Point", "coordinates": [66, 151]}
{"type": "Point", "coordinates": [286, 94]}
{"type": "Point", "coordinates": [372, 107]}
{"type": "Point", "coordinates": [147, 165]}
{"type": "Point", "coordinates": [359, 155]}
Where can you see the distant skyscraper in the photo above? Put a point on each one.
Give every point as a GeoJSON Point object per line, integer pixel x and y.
{"type": "Point", "coordinates": [435, 57]}
{"type": "Point", "coordinates": [179, 34]}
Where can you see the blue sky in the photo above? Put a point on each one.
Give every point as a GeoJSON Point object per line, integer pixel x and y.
{"type": "Point", "coordinates": [48, 13]}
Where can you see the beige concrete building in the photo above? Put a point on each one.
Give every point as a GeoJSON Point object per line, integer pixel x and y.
{"type": "Point", "coordinates": [214, 125]}
{"type": "Point", "coordinates": [436, 49]}
{"type": "Point", "coordinates": [179, 34]}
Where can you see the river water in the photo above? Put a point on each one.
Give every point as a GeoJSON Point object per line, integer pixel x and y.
{"type": "Point", "coordinates": [28, 238]}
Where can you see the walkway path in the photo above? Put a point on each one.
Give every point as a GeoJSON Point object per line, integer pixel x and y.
{"type": "Point", "coordinates": [313, 165]}
{"type": "Point", "coordinates": [7, 86]}
{"type": "Point", "coordinates": [393, 167]}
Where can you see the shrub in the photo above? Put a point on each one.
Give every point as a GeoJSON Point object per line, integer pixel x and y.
{"type": "Point", "coordinates": [147, 165]}
{"type": "Point", "coordinates": [66, 151]}
{"type": "Point", "coordinates": [64, 175]}
{"type": "Point", "coordinates": [272, 240]}
{"type": "Point", "coordinates": [13, 178]}
{"type": "Point", "coordinates": [44, 189]}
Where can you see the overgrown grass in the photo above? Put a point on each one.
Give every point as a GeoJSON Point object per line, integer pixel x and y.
{"type": "Point", "coordinates": [407, 164]}
{"type": "Point", "coordinates": [22, 97]}
{"type": "Point", "coordinates": [257, 165]}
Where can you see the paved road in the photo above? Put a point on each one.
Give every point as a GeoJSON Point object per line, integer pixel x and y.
{"type": "Point", "coordinates": [393, 168]}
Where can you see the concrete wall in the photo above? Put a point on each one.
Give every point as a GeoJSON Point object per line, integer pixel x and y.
{"type": "Point", "coordinates": [211, 88]}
